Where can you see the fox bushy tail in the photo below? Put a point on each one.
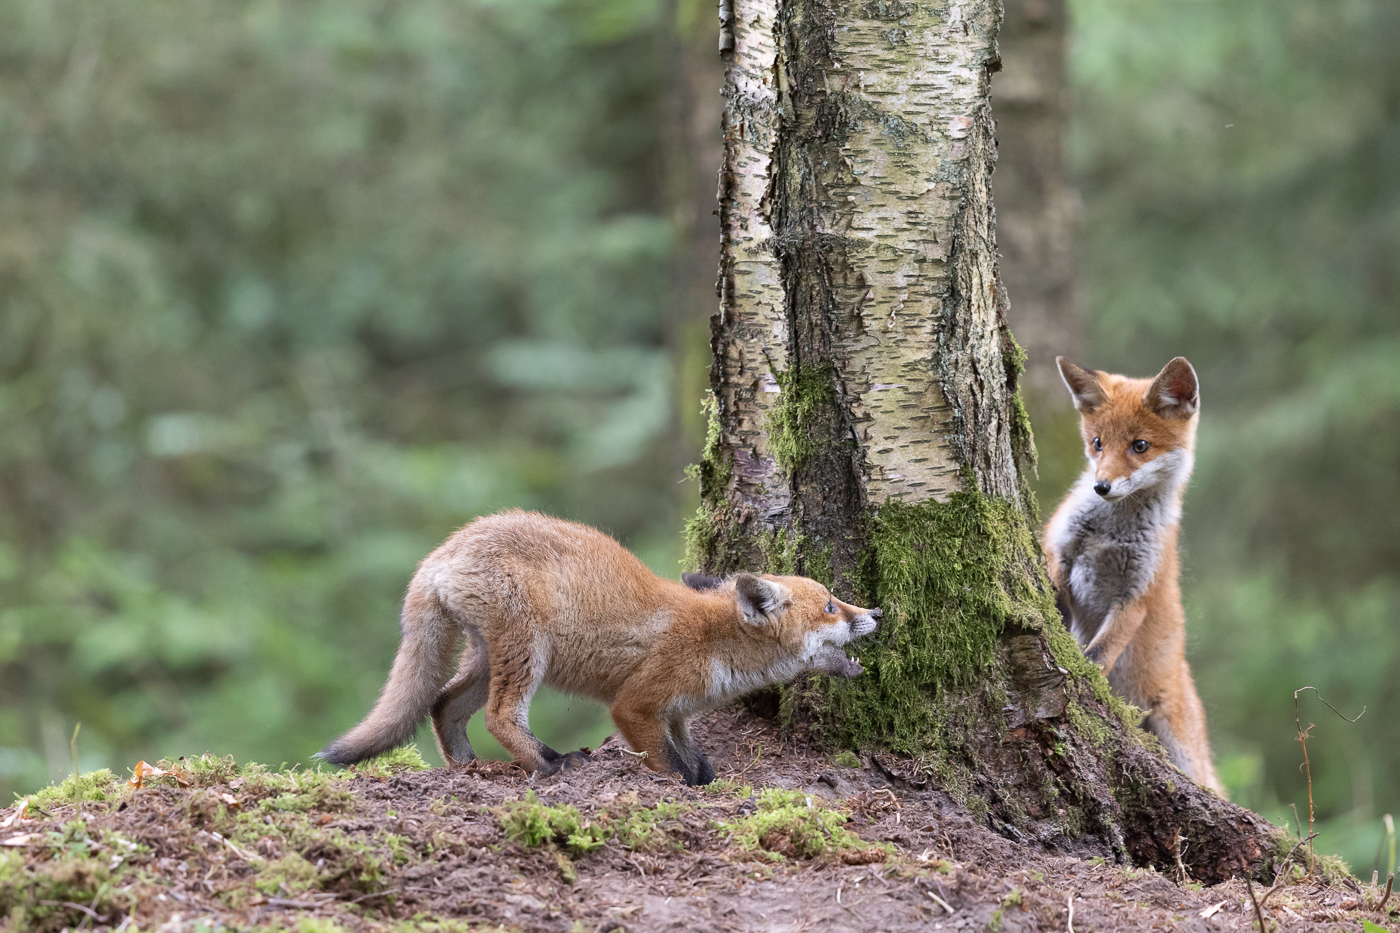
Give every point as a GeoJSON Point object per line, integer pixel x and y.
{"type": "Point", "coordinates": [421, 669]}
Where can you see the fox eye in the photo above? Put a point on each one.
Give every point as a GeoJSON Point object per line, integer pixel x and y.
{"type": "Point", "coordinates": [1098, 444]}
{"type": "Point", "coordinates": [1140, 446]}
{"type": "Point", "coordinates": [830, 607]}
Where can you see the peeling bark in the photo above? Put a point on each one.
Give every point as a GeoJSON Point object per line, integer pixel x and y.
{"type": "Point", "coordinates": [867, 429]}
{"type": "Point", "coordinates": [858, 242]}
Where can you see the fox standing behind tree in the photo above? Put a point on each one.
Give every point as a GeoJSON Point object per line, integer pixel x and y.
{"type": "Point", "coordinates": [545, 601]}
{"type": "Point", "coordinates": [1112, 548]}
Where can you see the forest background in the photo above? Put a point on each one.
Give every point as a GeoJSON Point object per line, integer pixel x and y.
{"type": "Point", "coordinates": [290, 290]}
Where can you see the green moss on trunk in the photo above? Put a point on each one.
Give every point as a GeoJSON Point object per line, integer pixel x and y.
{"type": "Point", "coordinates": [950, 577]}
{"type": "Point", "coordinates": [806, 396]}
{"type": "Point", "coordinates": [711, 527]}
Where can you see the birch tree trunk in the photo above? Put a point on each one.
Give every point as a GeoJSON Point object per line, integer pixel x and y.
{"type": "Point", "coordinates": [1037, 206]}
{"type": "Point", "coordinates": [866, 430]}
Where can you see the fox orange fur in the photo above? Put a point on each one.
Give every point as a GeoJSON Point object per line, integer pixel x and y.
{"type": "Point", "coordinates": [1112, 548]}
{"type": "Point", "coordinates": [538, 600]}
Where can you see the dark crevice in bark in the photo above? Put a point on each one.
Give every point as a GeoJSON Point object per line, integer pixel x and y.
{"type": "Point", "coordinates": [815, 199]}
{"type": "Point", "coordinates": [825, 484]}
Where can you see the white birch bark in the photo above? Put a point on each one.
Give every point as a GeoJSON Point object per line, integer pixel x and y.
{"type": "Point", "coordinates": [858, 239]}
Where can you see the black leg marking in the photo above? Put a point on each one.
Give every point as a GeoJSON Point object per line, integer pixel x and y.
{"type": "Point", "coordinates": [677, 762]}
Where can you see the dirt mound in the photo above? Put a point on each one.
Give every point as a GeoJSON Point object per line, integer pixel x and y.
{"type": "Point", "coordinates": [788, 839]}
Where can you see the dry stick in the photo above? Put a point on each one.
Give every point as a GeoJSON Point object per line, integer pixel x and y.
{"type": "Point", "coordinates": [1069, 924]}
{"type": "Point", "coordinates": [1296, 821]}
{"type": "Point", "coordinates": [1282, 877]}
{"type": "Point", "coordinates": [1389, 883]}
{"type": "Point", "coordinates": [1303, 740]}
{"type": "Point", "coordinates": [287, 902]}
{"type": "Point", "coordinates": [944, 904]}
{"type": "Point", "coordinates": [77, 785]}
{"type": "Point", "coordinates": [1258, 913]}
{"type": "Point", "coordinates": [87, 910]}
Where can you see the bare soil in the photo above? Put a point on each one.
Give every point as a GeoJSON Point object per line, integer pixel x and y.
{"type": "Point", "coordinates": [447, 864]}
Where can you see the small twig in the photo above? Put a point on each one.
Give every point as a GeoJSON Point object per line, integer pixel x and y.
{"type": "Point", "coordinates": [1069, 924]}
{"type": "Point", "coordinates": [1248, 886]}
{"type": "Point", "coordinates": [246, 856]}
{"type": "Point", "coordinates": [1389, 883]}
{"type": "Point", "coordinates": [749, 765]}
{"type": "Point", "coordinates": [1177, 849]}
{"type": "Point", "coordinates": [1307, 767]}
{"type": "Point", "coordinates": [365, 897]}
{"type": "Point", "coordinates": [87, 910]}
{"type": "Point", "coordinates": [77, 774]}
{"type": "Point", "coordinates": [285, 902]}
{"type": "Point", "coordinates": [637, 755]}
{"type": "Point", "coordinates": [91, 906]}
{"type": "Point", "coordinates": [1282, 878]}
{"type": "Point", "coordinates": [941, 902]}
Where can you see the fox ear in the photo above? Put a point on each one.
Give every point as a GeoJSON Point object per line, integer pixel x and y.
{"type": "Point", "coordinates": [1083, 385]}
{"type": "Point", "coordinates": [761, 601]}
{"type": "Point", "coordinates": [700, 581]}
{"type": "Point", "coordinates": [1175, 393]}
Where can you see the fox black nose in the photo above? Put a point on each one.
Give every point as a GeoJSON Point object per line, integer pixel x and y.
{"type": "Point", "coordinates": [1102, 487]}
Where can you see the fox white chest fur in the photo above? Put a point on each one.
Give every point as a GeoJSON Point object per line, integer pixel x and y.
{"type": "Point", "coordinates": [1109, 552]}
{"type": "Point", "coordinates": [1111, 546]}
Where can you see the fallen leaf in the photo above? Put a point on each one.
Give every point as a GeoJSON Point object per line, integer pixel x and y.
{"type": "Point", "coordinates": [143, 771]}
{"type": "Point", "coordinates": [15, 817]}
{"type": "Point", "coordinates": [1211, 911]}
{"type": "Point", "coordinates": [23, 839]}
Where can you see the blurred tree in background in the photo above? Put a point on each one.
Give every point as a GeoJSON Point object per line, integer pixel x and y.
{"type": "Point", "coordinates": [289, 289]}
{"type": "Point", "coordinates": [1239, 162]}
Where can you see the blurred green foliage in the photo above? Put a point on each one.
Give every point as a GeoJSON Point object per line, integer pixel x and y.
{"type": "Point", "coordinates": [288, 291]}
{"type": "Point", "coordinates": [1239, 162]}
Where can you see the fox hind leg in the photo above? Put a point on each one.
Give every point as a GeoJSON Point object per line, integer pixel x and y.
{"type": "Point", "coordinates": [515, 676]}
{"type": "Point", "coordinates": [460, 700]}
{"type": "Point", "coordinates": [1180, 725]}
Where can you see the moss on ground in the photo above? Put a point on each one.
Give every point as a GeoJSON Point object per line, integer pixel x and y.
{"type": "Point", "coordinates": [791, 824]}
{"type": "Point", "coordinates": [276, 820]}
{"type": "Point", "coordinates": [784, 824]}
{"type": "Point", "coordinates": [84, 875]}
{"type": "Point", "coordinates": [531, 823]}
{"type": "Point", "coordinates": [96, 786]}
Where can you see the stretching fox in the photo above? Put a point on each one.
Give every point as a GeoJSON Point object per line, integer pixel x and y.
{"type": "Point", "coordinates": [1112, 548]}
{"type": "Point", "coordinates": [545, 601]}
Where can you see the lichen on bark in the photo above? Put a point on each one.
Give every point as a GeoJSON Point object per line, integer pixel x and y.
{"type": "Point", "coordinates": [868, 426]}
